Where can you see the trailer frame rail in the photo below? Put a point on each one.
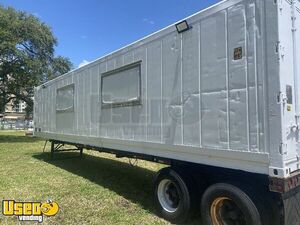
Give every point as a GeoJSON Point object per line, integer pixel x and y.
{"type": "Point", "coordinates": [58, 146]}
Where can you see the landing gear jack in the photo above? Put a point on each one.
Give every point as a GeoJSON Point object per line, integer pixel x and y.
{"type": "Point", "coordinates": [57, 146]}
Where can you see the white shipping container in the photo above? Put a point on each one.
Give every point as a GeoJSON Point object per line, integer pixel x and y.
{"type": "Point", "coordinates": [223, 93]}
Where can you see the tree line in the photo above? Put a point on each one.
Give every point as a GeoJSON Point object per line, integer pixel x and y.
{"type": "Point", "coordinates": [27, 57]}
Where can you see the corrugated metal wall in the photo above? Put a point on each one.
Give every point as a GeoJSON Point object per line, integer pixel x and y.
{"type": "Point", "coordinates": [193, 91]}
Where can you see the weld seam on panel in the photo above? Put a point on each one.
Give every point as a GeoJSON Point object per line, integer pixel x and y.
{"type": "Point", "coordinates": [106, 70]}
{"type": "Point", "coordinates": [44, 102]}
{"type": "Point", "coordinates": [75, 107]}
{"type": "Point", "coordinates": [295, 55]}
{"type": "Point", "coordinates": [217, 91]}
{"type": "Point", "coordinates": [46, 113]}
{"type": "Point", "coordinates": [90, 101]}
{"type": "Point", "coordinates": [146, 95]}
{"type": "Point", "coordinates": [161, 91]}
{"type": "Point", "coordinates": [227, 80]}
{"type": "Point", "coordinates": [247, 79]}
{"type": "Point", "coordinates": [265, 82]}
{"type": "Point", "coordinates": [84, 104]}
{"type": "Point", "coordinates": [77, 103]}
{"type": "Point", "coordinates": [131, 113]}
{"type": "Point", "coordinates": [200, 94]}
{"type": "Point", "coordinates": [256, 81]}
{"type": "Point", "coordinates": [181, 87]}
{"type": "Point", "coordinates": [100, 106]}
{"type": "Point", "coordinates": [44, 108]}
{"type": "Point", "coordinates": [47, 100]}
{"type": "Point", "coordinates": [122, 130]}
{"type": "Point", "coordinates": [50, 109]}
{"type": "Point", "coordinates": [53, 109]}
{"type": "Point", "coordinates": [47, 107]}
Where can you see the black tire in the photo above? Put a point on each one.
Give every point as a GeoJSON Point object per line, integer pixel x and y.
{"type": "Point", "coordinates": [185, 206]}
{"type": "Point", "coordinates": [228, 203]}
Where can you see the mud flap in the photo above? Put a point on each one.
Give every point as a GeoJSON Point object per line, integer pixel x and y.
{"type": "Point", "coordinates": [291, 201]}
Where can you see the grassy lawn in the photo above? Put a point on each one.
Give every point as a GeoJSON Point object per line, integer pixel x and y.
{"type": "Point", "coordinates": [97, 189]}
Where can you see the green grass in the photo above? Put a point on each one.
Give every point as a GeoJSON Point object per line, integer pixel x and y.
{"type": "Point", "coordinates": [97, 189]}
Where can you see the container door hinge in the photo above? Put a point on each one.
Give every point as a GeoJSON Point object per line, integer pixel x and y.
{"type": "Point", "coordinates": [294, 128]}
{"type": "Point", "coordinates": [281, 98]}
{"type": "Point", "coordinates": [294, 29]}
{"type": "Point", "coordinates": [283, 149]}
{"type": "Point", "coordinates": [280, 6]}
{"type": "Point", "coordinates": [279, 49]}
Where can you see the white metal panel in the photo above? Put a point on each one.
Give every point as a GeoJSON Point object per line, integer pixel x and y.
{"type": "Point", "coordinates": [213, 80]}
{"type": "Point", "coordinates": [270, 88]}
{"type": "Point", "coordinates": [252, 75]}
{"type": "Point", "coordinates": [191, 86]}
{"type": "Point", "coordinates": [297, 51]}
{"type": "Point", "coordinates": [154, 92]}
{"type": "Point", "coordinates": [195, 95]}
{"type": "Point", "coordinates": [139, 113]}
{"type": "Point", "coordinates": [95, 106]}
{"type": "Point", "coordinates": [297, 65]}
{"type": "Point", "coordinates": [260, 68]}
{"type": "Point", "coordinates": [238, 89]}
{"type": "Point", "coordinates": [172, 89]}
{"type": "Point", "coordinates": [252, 162]}
{"type": "Point", "coordinates": [81, 104]}
{"type": "Point", "coordinates": [287, 81]}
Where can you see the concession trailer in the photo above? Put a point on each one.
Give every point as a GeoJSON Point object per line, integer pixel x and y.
{"type": "Point", "coordinates": [216, 96]}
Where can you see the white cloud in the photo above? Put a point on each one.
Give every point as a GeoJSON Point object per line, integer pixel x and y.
{"type": "Point", "coordinates": [83, 63]}
{"type": "Point", "coordinates": [36, 14]}
{"type": "Point", "coordinates": [148, 21]}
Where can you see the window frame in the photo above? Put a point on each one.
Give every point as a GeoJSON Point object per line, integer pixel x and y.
{"type": "Point", "coordinates": [135, 102]}
{"type": "Point", "coordinates": [70, 109]}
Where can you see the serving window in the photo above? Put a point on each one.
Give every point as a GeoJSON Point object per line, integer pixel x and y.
{"type": "Point", "coordinates": [65, 99]}
{"type": "Point", "coordinates": [122, 87]}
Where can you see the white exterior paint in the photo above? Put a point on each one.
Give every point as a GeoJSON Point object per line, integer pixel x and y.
{"type": "Point", "coordinates": [198, 104]}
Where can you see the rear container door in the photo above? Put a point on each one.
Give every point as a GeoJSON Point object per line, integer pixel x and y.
{"type": "Point", "coordinates": [288, 96]}
{"type": "Point", "coordinates": [297, 66]}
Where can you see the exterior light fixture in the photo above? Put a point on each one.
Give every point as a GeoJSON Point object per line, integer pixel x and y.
{"type": "Point", "coordinates": [182, 26]}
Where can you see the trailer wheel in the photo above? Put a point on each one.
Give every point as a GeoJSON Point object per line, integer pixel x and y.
{"type": "Point", "coordinates": [174, 195]}
{"type": "Point", "coordinates": [225, 204]}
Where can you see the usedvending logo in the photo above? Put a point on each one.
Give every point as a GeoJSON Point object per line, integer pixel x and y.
{"type": "Point", "coordinates": [29, 211]}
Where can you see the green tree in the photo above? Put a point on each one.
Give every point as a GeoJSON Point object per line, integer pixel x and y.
{"type": "Point", "coordinates": [26, 56]}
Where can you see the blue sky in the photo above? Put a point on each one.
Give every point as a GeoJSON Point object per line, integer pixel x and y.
{"type": "Point", "coordinates": [87, 30]}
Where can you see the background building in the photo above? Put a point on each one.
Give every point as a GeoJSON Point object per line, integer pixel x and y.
{"type": "Point", "coordinates": [15, 112]}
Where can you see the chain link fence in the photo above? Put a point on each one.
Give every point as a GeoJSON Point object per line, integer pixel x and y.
{"type": "Point", "coordinates": [15, 124]}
